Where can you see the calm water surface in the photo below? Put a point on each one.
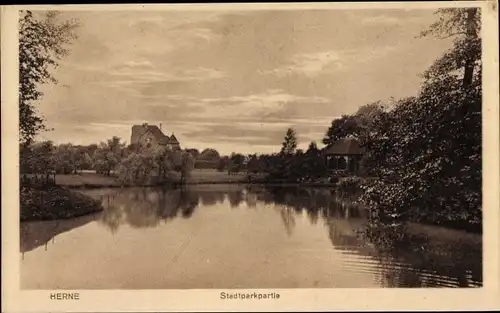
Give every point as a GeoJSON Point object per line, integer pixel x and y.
{"type": "Point", "coordinates": [238, 237]}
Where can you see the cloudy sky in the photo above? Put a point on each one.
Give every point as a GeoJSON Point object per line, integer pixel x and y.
{"type": "Point", "coordinates": [232, 80]}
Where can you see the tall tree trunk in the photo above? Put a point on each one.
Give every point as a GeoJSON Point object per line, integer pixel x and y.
{"type": "Point", "coordinates": [472, 33]}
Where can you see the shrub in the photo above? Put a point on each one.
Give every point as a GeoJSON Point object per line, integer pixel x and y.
{"type": "Point", "coordinates": [350, 187]}
{"type": "Point", "coordinates": [54, 203]}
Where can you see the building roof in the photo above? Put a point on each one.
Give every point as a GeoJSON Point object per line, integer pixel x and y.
{"type": "Point", "coordinates": [139, 130]}
{"type": "Point", "coordinates": [153, 129]}
{"type": "Point", "coordinates": [346, 146]}
{"type": "Point", "coordinates": [173, 138]}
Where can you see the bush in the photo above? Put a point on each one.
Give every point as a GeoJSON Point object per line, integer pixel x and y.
{"type": "Point", "coordinates": [54, 203]}
{"type": "Point", "coordinates": [340, 173]}
{"type": "Point", "coordinates": [332, 179]}
{"type": "Point", "coordinates": [350, 187]}
{"type": "Point", "coordinates": [203, 164]}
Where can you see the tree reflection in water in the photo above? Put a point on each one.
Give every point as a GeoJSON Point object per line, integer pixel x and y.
{"type": "Point", "coordinates": [397, 253]}
{"type": "Point", "coordinates": [235, 197]}
{"type": "Point", "coordinates": [432, 261]}
{"type": "Point", "coordinates": [408, 255]}
{"type": "Point", "coordinates": [148, 207]}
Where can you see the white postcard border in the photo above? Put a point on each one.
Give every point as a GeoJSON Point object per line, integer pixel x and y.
{"type": "Point", "coordinates": [487, 297]}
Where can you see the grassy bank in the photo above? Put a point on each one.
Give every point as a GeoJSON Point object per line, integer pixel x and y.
{"type": "Point", "coordinates": [88, 179]}
{"type": "Point", "coordinates": [198, 176]}
{"type": "Point", "coordinates": [54, 202]}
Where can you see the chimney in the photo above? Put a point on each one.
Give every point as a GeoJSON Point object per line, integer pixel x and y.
{"type": "Point", "coordinates": [160, 126]}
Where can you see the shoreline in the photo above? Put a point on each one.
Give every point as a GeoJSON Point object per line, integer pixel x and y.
{"type": "Point", "coordinates": [68, 210]}
{"type": "Point", "coordinates": [176, 185]}
{"type": "Point", "coordinates": [47, 218]}
{"type": "Point", "coordinates": [199, 177]}
{"type": "Point", "coordinates": [31, 212]}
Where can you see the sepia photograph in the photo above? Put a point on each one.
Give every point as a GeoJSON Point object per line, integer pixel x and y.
{"type": "Point", "coordinates": [264, 149]}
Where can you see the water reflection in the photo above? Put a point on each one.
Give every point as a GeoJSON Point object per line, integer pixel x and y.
{"type": "Point", "coordinates": [34, 235]}
{"type": "Point", "coordinates": [149, 207]}
{"type": "Point", "coordinates": [411, 256]}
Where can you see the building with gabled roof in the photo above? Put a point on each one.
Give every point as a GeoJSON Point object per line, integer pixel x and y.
{"type": "Point", "coordinates": [151, 135]}
{"type": "Point", "coordinates": [344, 154]}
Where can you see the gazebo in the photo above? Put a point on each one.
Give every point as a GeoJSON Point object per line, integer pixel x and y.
{"type": "Point", "coordinates": [344, 154]}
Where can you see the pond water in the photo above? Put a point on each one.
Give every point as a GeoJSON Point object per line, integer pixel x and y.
{"type": "Point", "coordinates": [239, 237]}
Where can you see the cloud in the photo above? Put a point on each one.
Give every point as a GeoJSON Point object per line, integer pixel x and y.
{"type": "Point", "coordinates": [388, 19]}
{"type": "Point", "coordinates": [203, 33]}
{"type": "Point", "coordinates": [380, 52]}
{"type": "Point", "coordinates": [154, 20]}
{"type": "Point", "coordinates": [172, 97]}
{"type": "Point", "coordinates": [141, 74]}
{"type": "Point", "coordinates": [380, 19]}
{"type": "Point", "coordinates": [309, 64]}
{"type": "Point", "coordinates": [135, 64]}
{"type": "Point", "coordinates": [202, 73]}
{"type": "Point", "coordinates": [268, 98]}
{"type": "Point", "coordinates": [135, 75]}
{"type": "Point", "coordinates": [314, 64]}
{"type": "Point", "coordinates": [101, 126]}
{"type": "Point", "coordinates": [249, 133]}
{"type": "Point", "coordinates": [255, 105]}
{"type": "Point", "coordinates": [242, 133]}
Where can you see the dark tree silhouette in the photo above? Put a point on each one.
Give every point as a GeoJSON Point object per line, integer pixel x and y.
{"type": "Point", "coordinates": [42, 43]}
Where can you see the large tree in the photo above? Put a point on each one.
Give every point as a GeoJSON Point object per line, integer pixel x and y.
{"type": "Point", "coordinates": [42, 43]}
{"type": "Point", "coordinates": [341, 128]}
{"type": "Point", "coordinates": [41, 160]}
{"type": "Point", "coordinates": [428, 148]}
{"type": "Point", "coordinates": [357, 125]}
{"type": "Point", "coordinates": [289, 144]}
{"type": "Point", "coordinates": [312, 148]}
{"type": "Point", "coordinates": [194, 152]}
{"type": "Point", "coordinates": [464, 58]}
{"type": "Point", "coordinates": [209, 154]}
{"type": "Point", "coordinates": [185, 165]}
{"type": "Point", "coordinates": [109, 155]}
{"type": "Point", "coordinates": [254, 165]}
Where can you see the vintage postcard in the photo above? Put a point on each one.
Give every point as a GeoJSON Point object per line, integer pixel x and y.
{"type": "Point", "coordinates": [262, 157]}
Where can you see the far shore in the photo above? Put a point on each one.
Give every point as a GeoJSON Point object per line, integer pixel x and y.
{"type": "Point", "coordinates": [90, 180]}
{"type": "Point", "coordinates": [96, 186]}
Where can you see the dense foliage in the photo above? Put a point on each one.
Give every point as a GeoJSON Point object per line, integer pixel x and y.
{"type": "Point", "coordinates": [54, 203]}
{"type": "Point", "coordinates": [290, 143]}
{"type": "Point", "coordinates": [426, 151]}
{"type": "Point", "coordinates": [155, 165]}
{"type": "Point", "coordinates": [42, 43]}
{"type": "Point", "coordinates": [349, 188]}
{"type": "Point", "coordinates": [358, 125]}
{"type": "Point", "coordinates": [131, 165]}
